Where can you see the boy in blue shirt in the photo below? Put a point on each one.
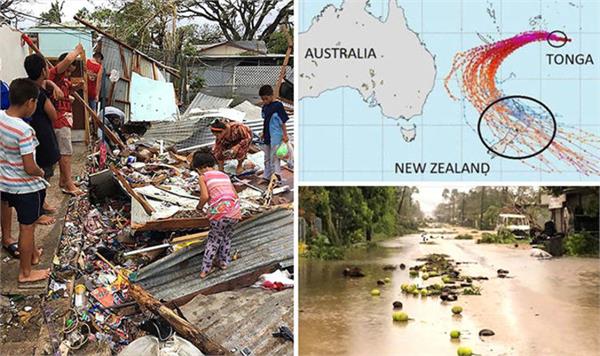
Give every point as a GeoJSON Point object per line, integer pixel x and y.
{"type": "Point", "coordinates": [274, 130]}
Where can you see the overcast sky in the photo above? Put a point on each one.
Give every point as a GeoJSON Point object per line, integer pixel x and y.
{"type": "Point", "coordinates": [36, 7]}
{"type": "Point", "coordinates": [430, 197]}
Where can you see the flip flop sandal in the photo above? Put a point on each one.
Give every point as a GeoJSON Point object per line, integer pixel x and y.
{"type": "Point", "coordinates": [12, 249]}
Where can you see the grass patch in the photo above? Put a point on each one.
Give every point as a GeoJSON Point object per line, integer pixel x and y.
{"type": "Point", "coordinates": [464, 237]}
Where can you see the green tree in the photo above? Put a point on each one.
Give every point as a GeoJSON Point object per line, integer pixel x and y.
{"type": "Point", "coordinates": [277, 42]}
{"type": "Point", "coordinates": [54, 14]}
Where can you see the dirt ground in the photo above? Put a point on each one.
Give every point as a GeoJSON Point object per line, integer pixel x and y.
{"type": "Point", "coordinates": [22, 340]}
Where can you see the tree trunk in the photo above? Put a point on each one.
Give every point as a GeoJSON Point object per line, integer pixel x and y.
{"type": "Point", "coordinates": [481, 207]}
{"type": "Point", "coordinates": [181, 326]}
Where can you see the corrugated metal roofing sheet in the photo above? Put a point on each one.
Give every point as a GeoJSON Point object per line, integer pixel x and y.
{"type": "Point", "coordinates": [112, 60]}
{"type": "Point", "coordinates": [206, 102]}
{"type": "Point", "coordinates": [265, 240]}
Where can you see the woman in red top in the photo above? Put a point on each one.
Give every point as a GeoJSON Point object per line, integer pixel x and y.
{"type": "Point", "coordinates": [233, 141]}
{"type": "Point", "coordinates": [94, 75]}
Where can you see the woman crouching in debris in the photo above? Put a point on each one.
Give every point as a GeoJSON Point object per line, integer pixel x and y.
{"type": "Point", "coordinates": [224, 210]}
{"type": "Point", "coordinates": [233, 142]}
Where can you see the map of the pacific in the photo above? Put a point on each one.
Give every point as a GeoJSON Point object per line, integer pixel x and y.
{"type": "Point", "coordinates": [456, 90]}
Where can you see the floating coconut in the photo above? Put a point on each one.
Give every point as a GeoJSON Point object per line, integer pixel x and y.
{"type": "Point", "coordinates": [400, 316]}
{"type": "Point", "coordinates": [457, 309]}
{"type": "Point", "coordinates": [464, 351]}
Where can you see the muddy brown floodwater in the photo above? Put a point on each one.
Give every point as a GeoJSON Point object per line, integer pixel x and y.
{"type": "Point", "coordinates": [547, 307]}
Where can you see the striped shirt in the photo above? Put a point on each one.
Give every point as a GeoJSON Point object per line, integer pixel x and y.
{"type": "Point", "coordinates": [16, 140]}
{"type": "Point", "coordinates": [224, 202]}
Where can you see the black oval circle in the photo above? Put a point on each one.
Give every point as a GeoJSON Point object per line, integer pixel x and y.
{"type": "Point", "coordinates": [557, 32]}
{"type": "Point", "coordinates": [516, 97]}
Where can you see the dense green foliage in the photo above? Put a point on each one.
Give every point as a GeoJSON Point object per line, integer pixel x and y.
{"type": "Point", "coordinates": [503, 236]}
{"type": "Point", "coordinates": [581, 244]}
{"type": "Point", "coordinates": [322, 249]}
{"type": "Point", "coordinates": [358, 214]}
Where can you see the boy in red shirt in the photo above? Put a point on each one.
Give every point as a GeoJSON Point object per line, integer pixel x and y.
{"type": "Point", "coordinates": [64, 121]}
{"type": "Point", "coordinates": [94, 74]}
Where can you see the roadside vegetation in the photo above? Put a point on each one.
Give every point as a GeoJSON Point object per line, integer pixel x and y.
{"type": "Point", "coordinates": [502, 237]}
{"type": "Point", "coordinates": [342, 217]}
{"type": "Point", "coordinates": [581, 244]}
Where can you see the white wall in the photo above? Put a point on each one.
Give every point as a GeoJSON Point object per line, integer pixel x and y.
{"type": "Point", "coordinates": [12, 55]}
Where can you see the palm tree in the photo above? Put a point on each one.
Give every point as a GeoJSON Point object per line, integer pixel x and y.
{"type": "Point", "coordinates": [54, 14]}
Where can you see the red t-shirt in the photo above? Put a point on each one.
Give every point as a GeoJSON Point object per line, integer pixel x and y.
{"type": "Point", "coordinates": [64, 109]}
{"type": "Point", "coordinates": [92, 73]}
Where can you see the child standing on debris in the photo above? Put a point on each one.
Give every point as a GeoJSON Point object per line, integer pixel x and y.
{"type": "Point", "coordinates": [22, 185]}
{"type": "Point", "coordinates": [274, 130]}
{"type": "Point", "coordinates": [64, 121]}
{"type": "Point", "coordinates": [224, 210]}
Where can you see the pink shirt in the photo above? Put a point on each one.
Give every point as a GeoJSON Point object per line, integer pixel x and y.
{"type": "Point", "coordinates": [223, 200]}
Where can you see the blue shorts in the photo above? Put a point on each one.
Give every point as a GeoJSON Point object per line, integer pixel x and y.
{"type": "Point", "coordinates": [28, 206]}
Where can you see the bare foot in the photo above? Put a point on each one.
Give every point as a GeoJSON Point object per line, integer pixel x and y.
{"type": "Point", "coordinates": [34, 276]}
{"type": "Point", "coordinates": [49, 209]}
{"type": "Point", "coordinates": [204, 274]}
{"type": "Point", "coordinates": [37, 256]}
{"type": "Point", "coordinates": [74, 192]}
{"type": "Point", "coordinates": [45, 220]}
{"type": "Point", "coordinates": [223, 265]}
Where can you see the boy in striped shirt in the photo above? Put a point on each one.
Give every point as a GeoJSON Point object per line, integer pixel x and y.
{"type": "Point", "coordinates": [22, 185]}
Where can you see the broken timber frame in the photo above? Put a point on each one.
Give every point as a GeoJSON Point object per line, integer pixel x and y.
{"type": "Point", "coordinates": [147, 207]}
{"type": "Point", "coordinates": [171, 70]}
{"type": "Point", "coordinates": [113, 137]}
{"type": "Point", "coordinates": [182, 326]}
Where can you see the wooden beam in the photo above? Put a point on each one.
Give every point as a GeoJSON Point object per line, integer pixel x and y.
{"type": "Point", "coordinates": [124, 67]}
{"type": "Point", "coordinates": [111, 93]}
{"type": "Point", "coordinates": [173, 224]}
{"type": "Point", "coordinates": [147, 207]}
{"type": "Point", "coordinates": [181, 326]}
{"type": "Point", "coordinates": [113, 137]}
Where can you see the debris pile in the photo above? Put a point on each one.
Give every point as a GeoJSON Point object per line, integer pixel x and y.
{"type": "Point", "coordinates": [143, 210]}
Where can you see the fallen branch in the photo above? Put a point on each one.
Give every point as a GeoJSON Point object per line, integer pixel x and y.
{"type": "Point", "coordinates": [181, 326]}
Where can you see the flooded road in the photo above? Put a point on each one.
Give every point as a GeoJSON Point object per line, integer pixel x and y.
{"type": "Point", "coordinates": [549, 307]}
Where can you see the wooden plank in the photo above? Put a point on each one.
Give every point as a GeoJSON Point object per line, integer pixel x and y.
{"type": "Point", "coordinates": [111, 93]}
{"type": "Point", "coordinates": [125, 70]}
{"type": "Point", "coordinates": [154, 70]}
{"type": "Point", "coordinates": [173, 224]}
{"type": "Point", "coordinates": [114, 138]}
{"type": "Point", "coordinates": [147, 207]}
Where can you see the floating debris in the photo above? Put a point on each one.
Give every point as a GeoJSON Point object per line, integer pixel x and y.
{"type": "Point", "coordinates": [486, 332]}
{"type": "Point", "coordinates": [353, 272]}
